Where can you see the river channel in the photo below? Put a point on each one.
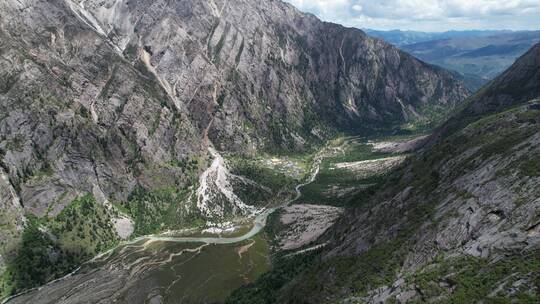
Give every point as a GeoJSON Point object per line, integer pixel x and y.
{"type": "Point", "coordinates": [168, 268]}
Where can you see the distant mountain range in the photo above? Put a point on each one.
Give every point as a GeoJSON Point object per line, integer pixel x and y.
{"type": "Point", "coordinates": [478, 56]}
{"type": "Point", "coordinates": [399, 38]}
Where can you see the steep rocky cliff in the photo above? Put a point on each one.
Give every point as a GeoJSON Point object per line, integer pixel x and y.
{"type": "Point", "coordinates": [458, 223]}
{"type": "Point", "coordinates": [101, 96]}
{"type": "Point", "coordinates": [261, 73]}
{"type": "Point", "coordinates": [119, 99]}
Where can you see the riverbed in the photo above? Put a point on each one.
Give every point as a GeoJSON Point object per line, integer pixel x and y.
{"type": "Point", "coordinates": [168, 268]}
{"type": "Point", "coordinates": [199, 267]}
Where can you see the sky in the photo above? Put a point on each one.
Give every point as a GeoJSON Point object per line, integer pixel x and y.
{"type": "Point", "coordinates": [427, 15]}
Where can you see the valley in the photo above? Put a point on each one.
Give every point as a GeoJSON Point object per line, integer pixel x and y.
{"type": "Point", "coordinates": [475, 56]}
{"type": "Point", "coordinates": [247, 152]}
{"type": "Point", "coordinates": [456, 223]}
{"type": "Point", "coordinates": [198, 266]}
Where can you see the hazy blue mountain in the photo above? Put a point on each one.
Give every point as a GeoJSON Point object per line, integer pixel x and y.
{"type": "Point", "coordinates": [475, 56]}
{"type": "Point", "coordinates": [399, 37]}
{"type": "Point", "coordinates": [485, 57]}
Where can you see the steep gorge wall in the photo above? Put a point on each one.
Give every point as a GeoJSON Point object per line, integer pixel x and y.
{"type": "Point", "coordinates": [105, 96]}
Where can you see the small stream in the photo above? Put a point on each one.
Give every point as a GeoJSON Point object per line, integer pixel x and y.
{"type": "Point", "coordinates": [165, 269]}
{"type": "Point", "coordinates": [259, 222]}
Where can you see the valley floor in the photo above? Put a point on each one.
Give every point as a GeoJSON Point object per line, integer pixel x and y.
{"type": "Point", "coordinates": [207, 265]}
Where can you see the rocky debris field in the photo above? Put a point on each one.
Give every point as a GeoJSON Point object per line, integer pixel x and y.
{"type": "Point", "coordinates": [301, 224]}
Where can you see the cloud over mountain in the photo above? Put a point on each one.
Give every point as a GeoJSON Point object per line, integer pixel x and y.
{"type": "Point", "coordinates": [427, 15]}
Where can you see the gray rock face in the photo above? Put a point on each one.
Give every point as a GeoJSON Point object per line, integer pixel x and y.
{"type": "Point", "coordinates": [110, 93]}
{"type": "Point", "coordinates": [102, 97]}
{"type": "Point", "coordinates": [484, 206]}
{"type": "Point", "coordinates": [259, 73]}
{"type": "Point", "coordinates": [75, 114]}
{"type": "Point", "coordinates": [472, 194]}
{"type": "Point", "coordinates": [11, 216]}
{"type": "Point", "coordinates": [304, 224]}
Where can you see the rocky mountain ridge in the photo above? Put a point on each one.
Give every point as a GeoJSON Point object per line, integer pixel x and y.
{"type": "Point", "coordinates": [125, 100]}
{"type": "Point", "coordinates": [458, 222]}
{"type": "Point", "coordinates": [101, 96]}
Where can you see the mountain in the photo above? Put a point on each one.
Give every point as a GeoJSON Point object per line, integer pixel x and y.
{"type": "Point", "coordinates": [481, 56]}
{"type": "Point", "coordinates": [401, 38]}
{"type": "Point", "coordinates": [114, 114]}
{"type": "Point", "coordinates": [457, 223]}
{"type": "Point", "coordinates": [475, 57]}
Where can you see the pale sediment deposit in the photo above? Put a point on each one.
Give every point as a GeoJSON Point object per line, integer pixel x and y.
{"type": "Point", "coordinates": [304, 224]}
{"type": "Point", "coordinates": [400, 146]}
{"type": "Point", "coordinates": [367, 168]}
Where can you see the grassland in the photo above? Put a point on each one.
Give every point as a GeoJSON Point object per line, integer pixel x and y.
{"type": "Point", "coordinates": [337, 186]}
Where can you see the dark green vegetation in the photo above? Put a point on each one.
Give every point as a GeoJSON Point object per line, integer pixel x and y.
{"type": "Point", "coordinates": [273, 227]}
{"type": "Point", "coordinates": [158, 210]}
{"type": "Point", "coordinates": [531, 167]}
{"type": "Point", "coordinates": [469, 279]}
{"type": "Point", "coordinates": [32, 265]}
{"type": "Point", "coordinates": [51, 247]}
{"type": "Point", "coordinates": [261, 174]}
{"type": "Point", "coordinates": [370, 269]}
{"type": "Point", "coordinates": [277, 179]}
{"type": "Point", "coordinates": [266, 289]}
{"type": "Point", "coordinates": [84, 228]}
{"type": "Point", "coordinates": [378, 266]}
{"type": "Point", "coordinates": [339, 186]}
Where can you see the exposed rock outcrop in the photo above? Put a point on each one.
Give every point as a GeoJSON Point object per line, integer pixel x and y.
{"type": "Point", "coordinates": [464, 209]}
{"type": "Point", "coordinates": [116, 93]}
{"type": "Point", "coordinates": [111, 96]}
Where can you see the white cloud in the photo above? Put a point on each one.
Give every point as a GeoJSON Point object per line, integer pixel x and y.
{"type": "Point", "coordinates": [428, 15]}
{"type": "Point", "coordinates": [330, 10]}
{"type": "Point", "coordinates": [357, 7]}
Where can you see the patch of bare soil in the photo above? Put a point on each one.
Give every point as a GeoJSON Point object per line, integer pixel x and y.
{"type": "Point", "coordinates": [367, 168]}
{"type": "Point", "coordinates": [402, 146]}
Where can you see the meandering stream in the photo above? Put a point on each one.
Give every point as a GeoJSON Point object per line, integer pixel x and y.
{"type": "Point", "coordinates": [165, 268]}
{"type": "Point", "coordinates": [258, 223]}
